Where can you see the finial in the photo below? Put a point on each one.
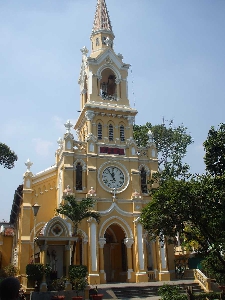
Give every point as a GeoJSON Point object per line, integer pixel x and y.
{"type": "Point", "coordinates": [28, 164]}
{"type": "Point", "coordinates": [68, 126]}
{"type": "Point", "coordinates": [84, 51]}
{"type": "Point", "coordinates": [60, 142]}
{"type": "Point", "coordinates": [150, 136]}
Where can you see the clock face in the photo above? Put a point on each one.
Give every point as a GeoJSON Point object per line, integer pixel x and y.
{"type": "Point", "coordinates": [113, 177]}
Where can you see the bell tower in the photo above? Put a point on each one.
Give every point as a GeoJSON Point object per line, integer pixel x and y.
{"type": "Point", "coordinates": [103, 86]}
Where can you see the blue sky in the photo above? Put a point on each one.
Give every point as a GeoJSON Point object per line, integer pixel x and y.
{"type": "Point", "coordinates": [175, 48]}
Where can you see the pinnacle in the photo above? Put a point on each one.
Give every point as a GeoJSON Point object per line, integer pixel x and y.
{"type": "Point", "coordinates": [102, 20]}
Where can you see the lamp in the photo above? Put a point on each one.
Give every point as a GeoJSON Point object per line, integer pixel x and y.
{"type": "Point", "coordinates": [35, 209]}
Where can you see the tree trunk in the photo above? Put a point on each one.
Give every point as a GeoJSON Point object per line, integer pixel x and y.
{"type": "Point", "coordinates": [73, 253]}
{"type": "Point", "coordinates": [74, 245]}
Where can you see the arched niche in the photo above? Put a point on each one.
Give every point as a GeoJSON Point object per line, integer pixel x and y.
{"type": "Point", "coordinates": [108, 86]}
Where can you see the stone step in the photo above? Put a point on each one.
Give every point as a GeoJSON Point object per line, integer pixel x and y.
{"type": "Point", "coordinates": [149, 291]}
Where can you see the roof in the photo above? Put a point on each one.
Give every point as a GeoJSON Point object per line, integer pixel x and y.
{"type": "Point", "coordinates": [102, 21]}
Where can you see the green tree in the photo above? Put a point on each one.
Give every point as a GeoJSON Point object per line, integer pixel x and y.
{"type": "Point", "coordinates": [77, 211]}
{"type": "Point", "coordinates": [194, 207]}
{"type": "Point", "coordinates": [171, 143]}
{"type": "Point", "coordinates": [215, 151]}
{"type": "Point", "coordinates": [7, 156]}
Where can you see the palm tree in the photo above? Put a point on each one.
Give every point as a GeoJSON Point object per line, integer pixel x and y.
{"type": "Point", "coordinates": [77, 211]}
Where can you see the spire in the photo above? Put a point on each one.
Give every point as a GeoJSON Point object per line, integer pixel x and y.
{"type": "Point", "coordinates": [102, 20]}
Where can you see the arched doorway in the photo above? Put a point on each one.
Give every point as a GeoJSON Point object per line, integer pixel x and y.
{"type": "Point", "coordinates": [115, 254]}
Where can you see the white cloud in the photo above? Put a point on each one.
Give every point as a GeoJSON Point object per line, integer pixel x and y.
{"type": "Point", "coordinates": [42, 147]}
{"type": "Point", "coordinates": [14, 127]}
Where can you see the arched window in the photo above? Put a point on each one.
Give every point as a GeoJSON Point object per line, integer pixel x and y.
{"type": "Point", "coordinates": [99, 131]}
{"type": "Point", "coordinates": [143, 181]}
{"type": "Point", "coordinates": [79, 177]}
{"type": "Point", "coordinates": [110, 132]}
{"type": "Point", "coordinates": [97, 41]}
{"type": "Point", "coordinates": [122, 137]}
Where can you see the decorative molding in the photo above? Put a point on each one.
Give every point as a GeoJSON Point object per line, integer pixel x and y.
{"type": "Point", "coordinates": [89, 115]}
{"type": "Point", "coordinates": [131, 120]}
{"type": "Point", "coordinates": [147, 170]}
{"type": "Point", "coordinates": [119, 221]}
{"type": "Point", "coordinates": [128, 242]}
{"type": "Point", "coordinates": [101, 242]}
{"type": "Point", "coordinates": [84, 166]}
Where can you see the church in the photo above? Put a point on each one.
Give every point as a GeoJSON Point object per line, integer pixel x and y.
{"type": "Point", "coordinates": [105, 163]}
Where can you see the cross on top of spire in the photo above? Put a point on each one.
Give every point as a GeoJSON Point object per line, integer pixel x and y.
{"type": "Point", "coordinates": [102, 20]}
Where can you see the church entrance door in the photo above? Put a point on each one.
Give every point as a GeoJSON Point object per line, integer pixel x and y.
{"type": "Point", "coordinates": [115, 254]}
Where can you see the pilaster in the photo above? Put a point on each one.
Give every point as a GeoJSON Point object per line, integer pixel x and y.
{"type": "Point", "coordinates": [102, 242]}
{"type": "Point", "coordinates": [130, 272]}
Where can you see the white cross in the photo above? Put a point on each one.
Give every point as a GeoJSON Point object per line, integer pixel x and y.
{"type": "Point", "coordinates": [114, 193]}
{"type": "Point", "coordinates": [28, 164]}
{"type": "Point", "coordinates": [68, 126]}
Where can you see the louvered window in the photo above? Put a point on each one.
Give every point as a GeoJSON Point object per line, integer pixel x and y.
{"type": "Point", "coordinates": [143, 181]}
{"type": "Point", "coordinates": [99, 131]}
{"type": "Point", "coordinates": [122, 137]}
{"type": "Point", "coordinates": [110, 132]}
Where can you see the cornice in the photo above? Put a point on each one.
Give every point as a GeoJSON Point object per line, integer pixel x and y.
{"type": "Point", "coordinates": [44, 172]}
{"type": "Point", "coordinates": [44, 176]}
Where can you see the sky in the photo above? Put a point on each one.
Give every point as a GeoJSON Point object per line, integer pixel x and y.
{"type": "Point", "coordinates": [175, 48]}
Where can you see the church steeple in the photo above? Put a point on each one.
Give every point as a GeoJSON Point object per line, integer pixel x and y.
{"type": "Point", "coordinates": [102, 21]}
{"type": "Point", "coordinates": [102, 35]}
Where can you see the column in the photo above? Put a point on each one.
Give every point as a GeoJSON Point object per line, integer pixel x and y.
{"type": "Point", "coordinates": [118, 88]}
{"type": "Point", "coordinates": [141, 275]}
{"type": "Point", "coordinates": [130, 272]}
{"type": "Point", "coordinates": [102, 242]}
{"type": "Point", "coordinates": [43, 259]}
{"type": "Point", "coordinates": [67, 262]}
{"type": "Point", "coordinates": [85, 252]}
{"type": "Point", "coordinates": [164, 274]}
{"type": "Point", "coordinates": [67, 258]}
{"type": "Point", "coordinates": [94, 277]}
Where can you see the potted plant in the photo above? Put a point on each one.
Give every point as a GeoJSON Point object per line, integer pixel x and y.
{"type": "Point", "coordinates": [58, 285]}
{"type": "Point", "coordinates": [35, 273]}
{"type": "Point", "coordinates": [96, 295]}
{"type": "Point", "coordinates": [78, 279]}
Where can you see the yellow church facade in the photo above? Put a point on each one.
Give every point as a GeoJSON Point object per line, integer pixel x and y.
{"type": "Point", "coordinates": [105, 163]}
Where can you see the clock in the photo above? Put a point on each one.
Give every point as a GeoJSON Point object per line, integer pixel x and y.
{"type": "Point", "coordinates": [113, 177]}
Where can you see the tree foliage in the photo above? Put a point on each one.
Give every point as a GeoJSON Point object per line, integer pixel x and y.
{"type": "Point", "coordinates": [215, 151]}
{"type": "Point", "coordinates": [171, 143]}
{"type": "Point", "coordinates": [194, 207]}
{"type": "Point", "coordinates": [7, 156]}
{"type": "Point", "coordinates": [77, 211]}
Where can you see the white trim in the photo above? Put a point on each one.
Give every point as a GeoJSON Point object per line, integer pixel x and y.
{"type": "Point", "coordinates": [44, 177]}
{"type": "Point", "coordinates": [115, 207]}
{"type": "Point", "coordinates": [126, 228]}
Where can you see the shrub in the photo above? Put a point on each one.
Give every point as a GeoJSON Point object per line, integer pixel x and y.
{"type": "Point", "coordinates": [77, 276]}
{"type": "Point", "coordinates": [11, 270]}
{"type": "Point", "coordinates": [35, 272]}
{"type": "Point", "coordinates": [58, 284]}
{"type": "Point", "coordinates": [171, 292]}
